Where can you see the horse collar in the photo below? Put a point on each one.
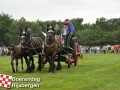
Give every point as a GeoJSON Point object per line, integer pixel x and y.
{"type": "Point", "coordinates": [49, 46]}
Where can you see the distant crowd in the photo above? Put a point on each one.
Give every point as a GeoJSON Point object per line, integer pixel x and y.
{"type": "Point", "coordinates": [4, 51]}
{"type": "Point", "coordinates": [83, 49]}
{"type": "Point", "coordinates": [99, 49]}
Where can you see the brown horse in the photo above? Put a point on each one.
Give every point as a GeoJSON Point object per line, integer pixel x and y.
{"type": "Point", "coordinates": [52, 48]}
{"type": "Point", "coordinates": [30, 46]}
{"type": "Point", "coordinates": [16, 54]}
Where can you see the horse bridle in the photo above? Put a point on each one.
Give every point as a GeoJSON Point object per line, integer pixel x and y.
{"type": "Point", "coordinates": [49, 46]}
{"type": "Point", "coordinates": [28, 40]}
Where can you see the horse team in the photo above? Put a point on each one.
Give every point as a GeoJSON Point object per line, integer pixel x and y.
{"type": "Point", "coordinates": [30, 46]}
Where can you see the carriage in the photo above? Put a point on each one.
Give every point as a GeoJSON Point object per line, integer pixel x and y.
{"type": "Point", "coordinates": [69, 53]}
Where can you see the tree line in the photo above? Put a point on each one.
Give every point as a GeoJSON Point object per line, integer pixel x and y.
{"type": "Point", "coordinates": [102, 32]}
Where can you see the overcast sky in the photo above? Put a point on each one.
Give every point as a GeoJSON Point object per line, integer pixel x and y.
{"type": "Point", "coordinates": [45, 10]}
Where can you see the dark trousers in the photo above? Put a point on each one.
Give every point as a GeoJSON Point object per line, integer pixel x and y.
{"type": "Point", "coordinates": [69, 39]}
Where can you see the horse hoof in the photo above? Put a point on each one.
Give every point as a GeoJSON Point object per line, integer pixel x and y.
{"type": "Point", "coordinates": [32, 67]}
{"type": "Point", "coordinates": [58, 67]}
{"type": "Point", "coordinates": [28, 70]}
{"type": "Point", "coordinates": [38, 68]}
{"type": "Point", "coordinates": [75, 63]}
{"type": "Point", "coordinates": [51, 71]}
{"type": "Point", "coordinates": [13, 71]}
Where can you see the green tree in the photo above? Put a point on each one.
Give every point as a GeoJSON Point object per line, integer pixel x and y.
{"type": "Point", "coordinates": [5, 28]}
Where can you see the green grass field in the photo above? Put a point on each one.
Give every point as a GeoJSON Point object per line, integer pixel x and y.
{"type": "Point", "coordinates": [93, 72]}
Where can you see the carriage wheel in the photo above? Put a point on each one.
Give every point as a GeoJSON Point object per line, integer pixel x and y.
{"type": "Point", "coordinates": [69, 60]}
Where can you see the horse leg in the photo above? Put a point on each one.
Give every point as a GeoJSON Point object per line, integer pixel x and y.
{"type": "Point", "coordinates": [22, 63]}
{"type": "Point", "coordinates": [32, 65]}
{"type": "Point", "coordinates": [16, 65]}
{"type": "Point", "coordinates": [48, 59]}
{"type": "Point", "coordinates": [26, 60]}
{"type": "Point", "coordinates": [12, 64]}
{"type": "Point", "coordinates": [52, 69]}
{"type": "Point", "coordinates": [29, 68]}
{"type": "Point", "coordinates": [29, 62]}
{"type": "Point", "coordinates": [39, 63]}
{"type": "Point", "coordinates": [59, 67]}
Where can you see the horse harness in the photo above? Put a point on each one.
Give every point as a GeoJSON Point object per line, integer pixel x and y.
{"type": "Point", "coordinates": [50, 46]}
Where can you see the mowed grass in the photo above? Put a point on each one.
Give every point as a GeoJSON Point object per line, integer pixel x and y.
{"type": "Point", "coordinates": [93, 72]}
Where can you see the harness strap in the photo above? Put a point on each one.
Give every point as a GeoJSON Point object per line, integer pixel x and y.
{"type": "Point", "coordinates": [34, 48]}
{"type": "Point", "coordinates": [57, 43]}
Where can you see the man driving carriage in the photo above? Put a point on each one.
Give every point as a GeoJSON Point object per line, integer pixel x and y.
{"type": "Point", "coordinates": [70, 32]}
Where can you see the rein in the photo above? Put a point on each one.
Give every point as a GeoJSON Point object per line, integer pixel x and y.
{"type": "Point", "coordinates": [34, 49]}
{"type": "Point", "coordinates": [32, 45]}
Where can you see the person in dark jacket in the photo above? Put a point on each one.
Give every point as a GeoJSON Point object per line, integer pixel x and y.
{"type": "Point", "coordinates": [71, 33]}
